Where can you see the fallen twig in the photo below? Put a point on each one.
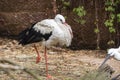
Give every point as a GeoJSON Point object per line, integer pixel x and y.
{"type": "Point", "coordinates": [15, 66]}
{"type": "Point", "coordinates": [7, 66]}
{"type": "Point", "coordinates": [32, 74]}
{"type": "Point", "coordinates": [6, 71]}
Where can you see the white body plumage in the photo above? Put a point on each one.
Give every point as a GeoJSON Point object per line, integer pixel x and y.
{"type": "Point", "coordinates": [61, 34]}
{"type": "Point", "coordinates": [115, 52]}
{"type": "Point", "coordinates": [53, 32]}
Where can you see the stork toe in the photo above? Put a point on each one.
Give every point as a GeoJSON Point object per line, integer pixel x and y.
{"type": "Point", "coordinates": [49, 77]}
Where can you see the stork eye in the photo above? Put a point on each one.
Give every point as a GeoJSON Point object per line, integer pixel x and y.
{"type": "Point", "coordinates": [61, 20]}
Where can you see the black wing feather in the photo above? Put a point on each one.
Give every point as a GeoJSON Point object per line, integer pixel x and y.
{"type": "Point", "coordinates": [29, 35]}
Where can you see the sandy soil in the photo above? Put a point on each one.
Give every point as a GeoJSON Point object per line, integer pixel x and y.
{"type": "Point", "coordinates": [63, 65]}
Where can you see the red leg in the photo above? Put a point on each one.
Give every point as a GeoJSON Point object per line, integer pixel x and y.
{"type": "Point", "coordinates": [47, 75]}
{"type": "Point", "coordinates": [38, 55]}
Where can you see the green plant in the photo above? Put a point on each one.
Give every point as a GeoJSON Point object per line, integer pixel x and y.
{"type": "Point", "coordinates": [110, 8]}
{"type": "Point", "coordinates": [65, 4]}
{"type": "Point", "coordinates": [118, 17]}
{"type": "Point", "coordinates": [96, 30]}
{"type": "Point", "coordinates": [80, 12]}
{"type": "Point", "coordinates": [110, 21]}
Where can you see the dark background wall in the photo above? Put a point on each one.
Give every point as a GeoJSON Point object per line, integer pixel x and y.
{"type": "Point", "coordinates": [16, 15]}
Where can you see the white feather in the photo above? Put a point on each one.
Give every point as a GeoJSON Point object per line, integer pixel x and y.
{"type": "Point", "coordinates": [45, 26]}
{"type": "Point", "coordinates": [61, 33]}
{"type": "Point", "coordinates": [115, 52]}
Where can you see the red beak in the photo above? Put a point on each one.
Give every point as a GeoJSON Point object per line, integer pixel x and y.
{"type": "Point", "coordinates": [65, 23]}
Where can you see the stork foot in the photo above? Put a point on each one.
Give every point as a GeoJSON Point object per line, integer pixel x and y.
{"type": "Point", "coordinates": [49, 77]}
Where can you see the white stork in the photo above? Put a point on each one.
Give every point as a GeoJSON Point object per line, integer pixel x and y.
{"type": "Point", "coordinates": [51, 32]}
{"type": "Point", "coordinates": [113, 52]}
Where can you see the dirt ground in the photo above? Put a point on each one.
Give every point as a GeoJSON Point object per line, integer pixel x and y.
{"type": "Point", "coordinates": [63, 65]}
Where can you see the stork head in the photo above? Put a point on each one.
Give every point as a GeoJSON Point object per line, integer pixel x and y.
{"type": "Point", "coordinates": [111, 52]}
{"type": "Point", "coordinates": [59, 18]}
{"type": "Point", "coordinates": [119, 48]}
